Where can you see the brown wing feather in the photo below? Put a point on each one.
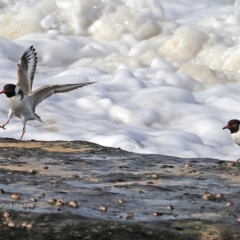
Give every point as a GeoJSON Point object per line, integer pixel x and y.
{"type": "Point", "coordinates": [40, 94]}
{"type": "Point", "coordinates": [26, 70]}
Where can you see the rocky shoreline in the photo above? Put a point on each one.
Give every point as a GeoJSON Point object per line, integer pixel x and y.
{"type": "Point", "coordinates": [81, 190]}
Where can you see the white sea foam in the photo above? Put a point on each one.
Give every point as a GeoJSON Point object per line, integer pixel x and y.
{"type": "Point", "coordinates": [167, 72]}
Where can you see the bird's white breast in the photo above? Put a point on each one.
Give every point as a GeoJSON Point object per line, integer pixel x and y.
{"type": "Point", "coordinates": [236, 137]}
{"type": "Point", "coordinates": [20, 107]}
{"type": "Point", "coordinates": [14, 102]}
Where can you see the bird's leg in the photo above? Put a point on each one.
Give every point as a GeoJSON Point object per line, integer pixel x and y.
{"type": "Point", "coordinates": [10, 114]}
{"type": "Point", "coordinates": [3, 126]}
{"type": "Point", "coordinates": [22, 133]}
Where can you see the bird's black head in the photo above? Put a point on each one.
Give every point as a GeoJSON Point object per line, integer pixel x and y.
{"type": "Point", "coordinates": [233, 125]}
{"type": "Point", "coordinates": [11, 90]}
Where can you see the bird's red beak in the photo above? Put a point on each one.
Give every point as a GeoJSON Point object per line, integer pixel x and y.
{"type": "Point", "coordinates": [226, 127]}
{"type": "Point", "coordinates": [3, 91]}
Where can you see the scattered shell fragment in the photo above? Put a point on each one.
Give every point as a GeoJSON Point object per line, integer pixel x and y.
{"type": "Point", "coordinates": [11, 224]}
{"type": "Point", "coordinates": [1, 191]}
{"type": "Point", "coordinates": [73, 204]}
{"type": "Point", "coordinates": [52, 201]}
{"type": "Point", "coordinates": [7, 214]}
{"type": "Point", "coordinates": [170, 207]}
{"type": "Point", "coordinates": [188, 165]}
{"type": "Point", "coordinates": [238, 220]}
{"type": "Point", "coordinates": [60, 202]}
{"type": "Point", "coordinates": [32, 171]}
{"type": "Point", "coordinates": [33, 199]}
{"type": "Point", "coordinates": [234, 174]}
{"type": "Point", "coordinates": [103, 208]}
{"type": "Point", "coordinates": [122, 200]}
{"type": "Point", "coordinates": [130, 215]}
{"type": "Point", "coordinates": [16, 196]}
{"type": "Point", "coordinates": [156, 214]}
{"type": "Point", "coordinates": [208, 197]}
{"type": "Point", "coordinates": [155, 175]}
{"type": "Point", "coordinates": [230, 204]}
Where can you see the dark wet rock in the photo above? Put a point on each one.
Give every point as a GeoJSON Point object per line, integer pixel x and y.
{"type": "Point", "coordinates": [101, 181]}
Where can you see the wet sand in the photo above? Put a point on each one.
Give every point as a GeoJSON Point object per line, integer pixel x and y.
{"type": "Point", "coordinates": [169, 197]}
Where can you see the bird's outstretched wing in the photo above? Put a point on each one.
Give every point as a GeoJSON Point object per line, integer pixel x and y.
{"type": "Point", "coordinates": [26, 68]}
{"type": "Point", "coordinates": [40, 94]}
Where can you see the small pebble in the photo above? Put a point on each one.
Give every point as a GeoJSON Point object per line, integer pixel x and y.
{"type": "Point", "coordinates": [16, 196]}
{"type": "Point", "coordinates": [52, 201]}
{"type": "Point", "coordinates": [191, 171]}
{"type": "Point", "coordinates": [32, 171]}
{"type": "Point", "coordinates": [7, 214]}
{"type": "Point", "coordinates": [155, 175]}
{"type": "Point", "coordinates": [150, 183]}
{"type": "Point", "coordinates": [234, 174]}
{"type": "Point", "coordinates": [130, 215]}
{"type": "Point", "coordinates": [170, 207]}
{"type": "Point", "coordinates": [27, 225]}
{"type": "Point", "coordinates": [33, 200]}
{"type": "Point", "coordinates": [188, 165]}
{"type": "Point", "coordinates": [103, 208]}
{"type": "Point", "coordinates": [208, 197]}
{"type": "Point", "coordinates": [60, 202]}
{"type": "Point", "coordinates": [156, 214]}
{"type": "Point", "coordinates": [45, 167]}
{"type": "Point", "coordinates": [1, 191]}
{"type": "Point", "coordinates": [219, 196]}
{"type": "Point", "coordinates": [11, 224]}
{"type": "Point", "coordinates": [122, 200]}
{"type": "Point", "coordinates": [73, 204]}
{"type": "Point", "coordinates": [24, 224]}
{"type": "Point", "coordinates": [230, 204]}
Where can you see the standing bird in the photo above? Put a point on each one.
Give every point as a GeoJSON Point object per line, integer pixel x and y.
{"type": "Point", "coordinates": [21, 99]}
{"type": "Point", "coordinates": [233, 126]}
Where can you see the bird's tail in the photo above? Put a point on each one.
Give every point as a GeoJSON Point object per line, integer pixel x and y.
{"type": "Point", "coordinates": [38, 118]}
